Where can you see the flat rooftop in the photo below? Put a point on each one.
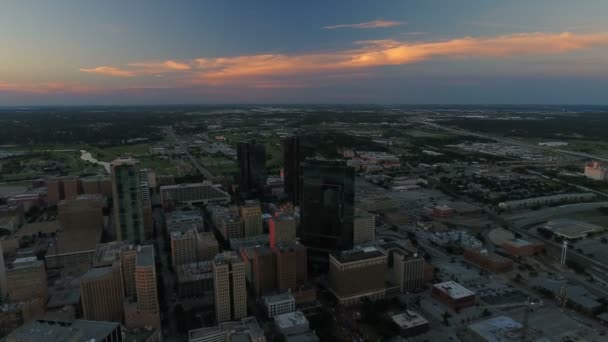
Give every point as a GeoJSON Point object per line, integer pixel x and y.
{"type": "Point", "coordinates": [291, 319]}
{"type": "Point", "coordinates": [571, 229]}
{"type": "Point", "coordinates": [145, 256]}
{"type": "Point", "coordinates": [409, 319]}
{"type": "Point", "coordinates": [34, 228]}
{"type": "Point", "coordinates": [454, 290]}
{"type": "Point", "coordinates": [108, 252]}
{"type": "Point", "coordinates": [75, 241]}
{"type": "Point", "coordinates": [358, 254]}
{"type": "Point", "coordinates": [497, 329]}
{"type": "Point", "coordinates": [278, 298]}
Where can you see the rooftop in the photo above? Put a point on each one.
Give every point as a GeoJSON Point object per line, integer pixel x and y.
{"type": "Point", "coordinates": [34, 228]}
{"type": "Point", "coordinates": [409, 319]}
{"type": "Point", "coordinates": [278, 298]}
{"type": "Point", "coordinates": [497, 329]}
{"type": "Point", "coordinates": [145, 255]}
{"type": "Point", "coordinates": [79, 330]}
{"type": "Point", "coordinates": [571, 229]}
{"type": "Point", "coordinates": [358, 254]}
{"type": "Point", "coordinates": [453, 289]}
{"type": "Point", "coordinates": [291, 319]}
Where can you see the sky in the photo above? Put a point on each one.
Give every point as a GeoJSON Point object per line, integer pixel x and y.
{"type": "Point", "coordinates": [82, 52]}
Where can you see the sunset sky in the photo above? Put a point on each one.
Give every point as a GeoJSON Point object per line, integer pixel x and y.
{"type": "Point", "coordinates": [339, 51]}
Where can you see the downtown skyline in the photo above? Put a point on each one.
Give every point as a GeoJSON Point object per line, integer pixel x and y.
{"type": "Point", "coordinates": [159, 52]}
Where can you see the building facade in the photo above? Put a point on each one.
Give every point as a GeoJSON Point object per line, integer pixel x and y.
{"type": "Point", "coordinates": [128, 200]}
{"type": "Point", "coordinates": [229, 287]}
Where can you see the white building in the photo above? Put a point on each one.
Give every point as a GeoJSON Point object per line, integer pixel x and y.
{"type": "Point", "coordinates": [279, 304]}
{"type": "Point", "coordinates": [596, 171]}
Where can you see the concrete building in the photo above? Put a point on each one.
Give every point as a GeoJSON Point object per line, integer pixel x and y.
{"type": "Point", "coordinates": [357, 274]}
{"type": "Point", "coordinates": [281, 228]}
{"type": "Point", "coordinates": [263, 272]}
{"type": "Point", "coordinates": [81, 212]}
{"type": "Point", "coordinates": [128, 200]}
{"type": "Point", "coordinates": [246, 330]}
{"type": "Point", "coordinates": [227, 221]}
{"type": "Point", "coordinates": [406, 267]}
{"type": "Point", "coordinates": [195, 280]}
{"type": "Point", "coordinates": [193, 193]}
{"type": "Point", "coordinates": [453, 295]}
{"type": "Point", "coordinates": [26, 278]}
{"type": "Point", "coordinates": [251, 213]}
{"type": "Point", "coordinates": [291, 268]}
{"type": "Point", "coordinates": [491, 262]}
{"type": "Point", "coordinates": [144, 310]}
{"type": "Point", "coordinates": [291, 324]}
{"type": "Point", "coordinates": [522, 248]}
{"type": "Point", "coordinates": [596, 171]}
{"type": "Point", "coordinates": [229, 287]}
{"type": "Point", "coordinates": [364, 227]}
{"type": "Point", "coordinates": [279, 304]}
{"type": "Point", "coordinates": [192, 246]}
{"type": "Point", "coordinates": [102, 294]}
{"type": "Point", "coordinates": [76, 331]}
{"type": "Point", "coordinates": [496, 329]}
{"type": "Point", "coordinates": [97, 185]}
{"type": "Point", "coordinates": [410, 324]}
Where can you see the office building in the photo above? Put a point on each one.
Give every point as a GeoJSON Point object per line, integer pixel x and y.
{"type": "Point", "coordinates": [97, 185]}
{"type": "Point", "coordinates": [453, 295]}
{"type": "Point", "coordinates": [195, 279]}
{"type": "Point", "coordinates": [281, 228]}
{"type": "Point", "coordinates": [488, 261]}
{"type": "Point", "coordinates": [227, 221]}
{"type": "Point", "coordinates": [85, 212]}
{"type": "Point", "coordinates": [292, 324]}
{"type": "Point", "coordinates": [102, 294]}
{"type": "Point", "coordinates": [410, 324]}
{"type": "Point", "coordinates": [229, 287]}
{"type": "Point", "coordinates": [128, 200]}
{"type": "Point", "coordinates": [76, 331]}
{"type": "Point", "coordinates": [192, 246]}
{"type": "Point", "coordinates": [193, 193]}
{"type": "Point", "coordinates": [364, 227]}
{"type": "Point", "coordinates": [71, 187]}
{"type": "Point", "coordinates": [252, 166]}
{"type": "Point", "coordinates": [26, 279]}
{"type": "Point", "coordinates": [357, 274]}
{"type": "Point", "coordinates": [326, 209]}
{"type": "Point", "coordinates": [291, 168]}
{"type": "Point", "coordinates": [279, 304]}
{"type": "Point", "coordinates": [263, 272]}
{"type": "Point", "coordinates": [245, 330]}
{"type": "Point", "coordinates": [251, 213]}
{"type": "Point", "coordinates": [406, 267]}
{"type": "Point", "coordinates": [54, 191]}
{"type": "Point", "coordinates": [291, 262]}
{"type": "Point", "coordinates": [143, 310]}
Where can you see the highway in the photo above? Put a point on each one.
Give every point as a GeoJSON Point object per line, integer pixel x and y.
{"type": "Point", "coordinates": [203, 171]}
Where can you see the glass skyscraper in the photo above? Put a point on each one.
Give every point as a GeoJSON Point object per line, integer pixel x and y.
{"type": "Point", "coordinates": [128, 200]}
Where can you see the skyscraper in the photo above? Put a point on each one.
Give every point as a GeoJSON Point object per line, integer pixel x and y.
{"type": "Point", "coordinates": [251, 212]}
{"type": "Point", "coordinates": [326, 209]}
{"type": "Point", "coordinates": [128, 200]}
{"type": "Point", "coordinates": [252, 166]}
{"type": "Point", "coordinates": [291, 168]}
{"type": "Point", "coordinates": [229, 287]}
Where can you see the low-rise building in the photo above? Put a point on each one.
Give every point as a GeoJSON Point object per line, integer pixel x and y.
{"type": "Point", "coordinates": [523, 248]}
{"type": "Point", "coordinates": [488, 261]}
{"type": "Point", "coordinates": [279, 304]}
{"type": "Point", "coordinates": [410, 324]}
{"type": "Point", "coordinates": [453, 295]}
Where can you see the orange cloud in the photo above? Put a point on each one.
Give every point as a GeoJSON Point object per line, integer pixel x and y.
{"type": "Point", "coordinates": [367, 25]}
{"type": "Point", "coordinates": [109, 71]}
{"type": "Point", "coordinates": [157, 67]}
{"type": "Point", "coordinates": [47, 88]}
{"type": "Point", "coordinates": [365, 55]}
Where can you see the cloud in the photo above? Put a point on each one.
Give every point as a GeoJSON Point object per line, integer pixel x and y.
{"type": "Point", "coordinates": [47, 88]}
{"type": "Point", "coordinates": [109, 71]}
{"type": "Point", "coordinates": [363, 56]}
{"type": "Point", "coordinates": [367, 25]}
{"type": "Point", "coordinates": [156, 67]}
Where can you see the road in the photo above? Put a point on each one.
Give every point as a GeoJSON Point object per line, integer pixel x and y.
{"type": "Point", "coordinates": [203, 171]}
{"type": "Point", "coordinates": [168, 280]}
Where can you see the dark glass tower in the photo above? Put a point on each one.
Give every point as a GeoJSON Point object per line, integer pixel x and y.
{"type": "Point", "coordinates": [326, 209]}
{"type": "Point", "coordinates": [291, 168]}
{"type": "Point", "coordinates": [252, 166]}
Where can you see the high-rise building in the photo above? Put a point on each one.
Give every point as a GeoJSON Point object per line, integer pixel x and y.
{"type": "Point", "coordinates": [251, 212]}
{"type": "Point", "coordinates": [102, 294]}
{"type": "Point", "coordinates": [357, 274]}
{"type": "Point", "coordinates": [128, 200]}
{"type": "Point", "coordinates": [84, 212]}
{"type": "Point", "coordinates": [71, 187]}
{"type": "Point", "coordinates": [144, 176]}
{"type": "Point", "coordinates": [291, 168]}
{"type": "Point", "coordinates": [364, 227]}
{"type": "Point", "coordinates": [291, 265]}
{"type": "Point", "coordinates": [252, 166]}
{"type": "Point", "coordinates": [122, 286]}
{"type": "Point", "coordinates": [144, 310]}
{"type": "Point", "coordinates": [326, 209]}
{"type": "Point", "coordinates": [227, 221]}
{"type": "Point", "coordinates": [26, 279]}
{"type": "Point", "coordinates": [54, 191]}
{"type": "Point", "coordinates": [409, 270]}
{"type": "Point", "coordinates": [281, 228]}
{"type": "Point", "coordinates": [229, 287]}
{"type": "Point", "coordinates": [263, 270]}
{"type": "Point", "coordinates": [192, 246]}
{"type": "Point", "coordinates": [3, 281]}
